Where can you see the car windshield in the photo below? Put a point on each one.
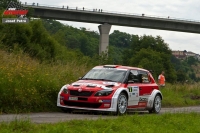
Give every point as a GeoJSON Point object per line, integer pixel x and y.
{"type": "Point", "coordinates": [106, 74]}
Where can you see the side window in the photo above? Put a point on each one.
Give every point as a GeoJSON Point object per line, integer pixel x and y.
{"type": "Point", "coordinates": [133, 77]}
{"type": "Point", "coordinates": [144, 77]}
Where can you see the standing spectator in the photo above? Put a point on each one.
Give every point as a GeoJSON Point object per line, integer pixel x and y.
{"type": "Point", "coordinates": [161, 79]}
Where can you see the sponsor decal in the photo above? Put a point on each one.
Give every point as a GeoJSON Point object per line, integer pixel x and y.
{"type": "Point", "coordinates": [106, 105]}
{"type": "Point", "coordinates": [133, 91]}
{"type": "Point", "coordinates": [133, 88]}
{"type": "Point", "coordinates": [142, 103]}
{"type": "Point", "coordinates": [143, 99]}
{"type": "Point", "coordinates": [17, 10]}
{"type": "Point", "coordinates": [147, 94]}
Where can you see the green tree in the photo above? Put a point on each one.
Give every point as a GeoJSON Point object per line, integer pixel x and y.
{"type": "Point", "coordinates": [191, 60]}
{"type": "Point", "coordinates": [4, 3]}
{"type": "Point", "coordinates": [148, 59]}
{"type": "Point", "coordinates": [120, 39]}
{"type": "Point", "coordinates": [150, 53]}
{"type": "Point", "coordinates": [86, 41]}
{"type": "Point", "coordinates": [181, 76]}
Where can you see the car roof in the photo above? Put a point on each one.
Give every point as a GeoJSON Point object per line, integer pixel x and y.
{"type": "Point", "coordinates": [121, 67]}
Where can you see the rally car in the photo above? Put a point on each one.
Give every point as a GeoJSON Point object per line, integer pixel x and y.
{"type": "Point", "coordinates": [112, 88]}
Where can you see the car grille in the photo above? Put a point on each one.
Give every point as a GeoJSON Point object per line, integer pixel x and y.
{"type": "Point", "coordinates": [82, 99]}
{"type": "Point", "coordinates": [83, 104]}
{"type": "Point", "coordinates": [82, 93]}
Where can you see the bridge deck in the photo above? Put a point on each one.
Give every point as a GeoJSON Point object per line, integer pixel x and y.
{"type": "Point", "coordinates": [121, 19]}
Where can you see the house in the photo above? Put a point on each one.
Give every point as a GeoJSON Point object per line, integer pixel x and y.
{"type": "Point", "coordinates": [180, 54]}
{"type": "Point", "coordinates": [183, 54]}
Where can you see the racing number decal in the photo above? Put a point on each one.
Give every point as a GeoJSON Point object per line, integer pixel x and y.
{"type": "Point", "coordinates": [130, 89]}
{"type": "Point", "coordinates": [133, 95]}
{"type": "Point", "coordinates": [133, 90]}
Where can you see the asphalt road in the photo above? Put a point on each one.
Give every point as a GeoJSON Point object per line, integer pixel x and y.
{"type": "Point", "coordinates": [59, 116]}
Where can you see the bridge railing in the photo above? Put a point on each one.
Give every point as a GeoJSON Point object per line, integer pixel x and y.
{"type": "Point", "coordinates": [108, 12]}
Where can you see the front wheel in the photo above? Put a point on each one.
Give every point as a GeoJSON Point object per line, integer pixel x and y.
{"type": "Point", "coordinates": [122, 103]}
{"type": "Point", "coordinates": [156, 105]}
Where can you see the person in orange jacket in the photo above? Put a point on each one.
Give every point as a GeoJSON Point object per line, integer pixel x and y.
{"type": "Point", "coordinates": [161, 79]}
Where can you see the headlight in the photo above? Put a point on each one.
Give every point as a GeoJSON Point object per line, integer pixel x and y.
{"type": "Point", "coordinates": [64, 89]}
{"type": "Point", "coordinates": [104, 93]}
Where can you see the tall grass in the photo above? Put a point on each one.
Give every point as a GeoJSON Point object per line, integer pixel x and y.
{"type": "Point", "coordinates": [181, 94]}
{"type": "Point", "coordinates": [26, 85]}
{"type": "Point", "coordinates": [165, 123]}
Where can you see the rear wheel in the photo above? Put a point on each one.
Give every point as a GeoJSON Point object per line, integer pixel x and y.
{"type": "Point", "coordinates": [156, 105]}
{"type": "Point", "coordinates": [122, 103]}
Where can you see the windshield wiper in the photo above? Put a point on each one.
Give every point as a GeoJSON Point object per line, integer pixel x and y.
{"type": "Point", "coordinates": [97, 79]}
{"type": "Point", "coordinates": [104, 80]}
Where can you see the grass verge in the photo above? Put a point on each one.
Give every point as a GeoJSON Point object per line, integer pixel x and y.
{"type": "Point", "coordinates": [165, 123]}
{"type": "Point", "coordinates": [179, 95]}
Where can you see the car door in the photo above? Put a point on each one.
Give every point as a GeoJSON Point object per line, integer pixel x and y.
{"type": "Point", "coordinates": [133, 88]}
{"type": "Point", "coordinates": [141, 86]}
{"type": "Point", "coordinates": [145, 86]}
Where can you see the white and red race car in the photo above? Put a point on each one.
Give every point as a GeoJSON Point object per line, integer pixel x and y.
{"type": "Point", "coordinates": [112, 88]}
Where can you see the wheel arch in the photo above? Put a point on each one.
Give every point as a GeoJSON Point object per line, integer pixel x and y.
{"type": "Point", "coordinates": [116, 95]}
{"type": "Point", "coordinates": [126, 93]}
{"type": "Point", "coordinates": [160, 95]}
{"type": "Point", "coordinates": [152, 97]}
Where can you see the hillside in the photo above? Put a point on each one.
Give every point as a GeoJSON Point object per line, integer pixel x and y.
{"type": "Point", "coordinates": [50, 41]}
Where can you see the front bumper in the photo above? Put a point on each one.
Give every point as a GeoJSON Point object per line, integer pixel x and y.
{"type": "Point", "coordinates": [93, 103]}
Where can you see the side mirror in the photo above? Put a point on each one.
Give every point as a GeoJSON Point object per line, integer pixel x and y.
{"type": "Point", "coordinates": [79, 78]}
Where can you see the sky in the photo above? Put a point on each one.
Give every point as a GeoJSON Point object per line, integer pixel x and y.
{"type": "Point", "coordinates": [180, 9]}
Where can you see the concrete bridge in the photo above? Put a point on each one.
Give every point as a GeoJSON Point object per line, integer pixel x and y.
{"type": "Point", "coordinates": [106, 19]}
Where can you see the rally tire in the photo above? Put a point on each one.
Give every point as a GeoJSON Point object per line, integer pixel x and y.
{"type": "Point", "coordinates": [156, 105]}
{"type": "Point", "coordinates": [122, 103]}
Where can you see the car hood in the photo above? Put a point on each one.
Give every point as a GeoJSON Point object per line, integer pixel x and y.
{"type": "Point", "coordinates": [93, 85]}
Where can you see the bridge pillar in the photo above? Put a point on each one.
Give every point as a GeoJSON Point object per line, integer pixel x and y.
{"type": "Point", "coordinates": [104, 30]}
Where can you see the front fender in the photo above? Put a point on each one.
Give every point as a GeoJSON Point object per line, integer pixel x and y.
{"type": "Point", "coordinates": [152, 97]}
{"type": "Point", "coordinates": [116, 95]}
{"type": "Point", "coordinates": [58, 98]}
